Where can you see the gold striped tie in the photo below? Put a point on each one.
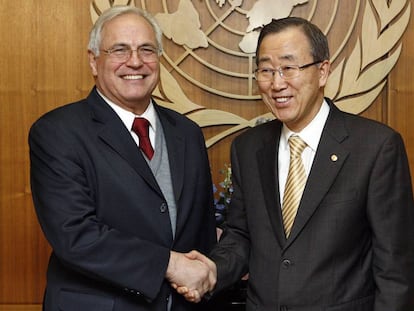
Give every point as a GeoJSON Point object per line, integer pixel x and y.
{"type": "Point", "coordinates": [295, 183]}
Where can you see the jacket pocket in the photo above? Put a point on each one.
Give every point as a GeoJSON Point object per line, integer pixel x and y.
{"type": "Point", "coordinates": [75, 301]}
{"type": "Point", "coordinates": [250, 304]}
{"type": "Point", "coordinates": [362, 304]}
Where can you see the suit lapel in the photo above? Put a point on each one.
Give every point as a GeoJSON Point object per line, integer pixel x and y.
{"type": "Point", "coordinates": [176, 150]}
{"type": "Point", "coordinates": [270, 179]}
{"type": "Point", "coordinates": [328, 161]}
{"type": "Point", "coordinates": [113, 133]}
{"type": "Point", "coordinates": [175, 141]}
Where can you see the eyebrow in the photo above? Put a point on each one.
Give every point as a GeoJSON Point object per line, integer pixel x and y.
{"type": "Point", "coordinates": [120, 45]}
{"type": "Point", "coordinates": [263, 59]}
{"type": "Point", "coordinates": [125, 45]}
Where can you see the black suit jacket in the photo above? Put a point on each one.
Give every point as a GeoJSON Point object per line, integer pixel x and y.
{"type": "Point", "coordinates": [103, 212]}
{"type": "Point", "coordinates": [350, 247]}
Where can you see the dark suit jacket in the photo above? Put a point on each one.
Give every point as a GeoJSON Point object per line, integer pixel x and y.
{"type": "Point", "coordinates": [103, 212]}
{"type": "Point", "coordinates": [351, 247]}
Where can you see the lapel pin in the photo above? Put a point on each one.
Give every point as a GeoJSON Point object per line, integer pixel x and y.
{"type": "Point", "coordinates": [334, 158]}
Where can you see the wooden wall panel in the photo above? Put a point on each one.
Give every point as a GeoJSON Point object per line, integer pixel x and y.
{"type": "Point", "coordinates": [400, 97]}
{"type": "Point", "coordinates": [44, 65]}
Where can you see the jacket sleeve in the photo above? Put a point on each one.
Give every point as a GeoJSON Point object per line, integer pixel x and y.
{"type": "Point", "coordinates": [232, 253]}
{"type": "Point", "coordinates": [390, 212]}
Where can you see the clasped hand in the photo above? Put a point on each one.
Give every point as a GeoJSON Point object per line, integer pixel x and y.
{"type": "Point", "coordinates": [191, 274]}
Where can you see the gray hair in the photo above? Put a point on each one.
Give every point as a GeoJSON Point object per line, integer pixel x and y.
{"type": "Point", "coordinates": [115, 11]}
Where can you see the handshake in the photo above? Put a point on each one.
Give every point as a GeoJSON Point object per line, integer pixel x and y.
{"type": "Point", "coordinates": [191, 274]}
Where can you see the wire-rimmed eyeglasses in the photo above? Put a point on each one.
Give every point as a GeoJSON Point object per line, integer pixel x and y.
{"type": "Point", "coordinates": [285, 72]}
{"type": "Point", "coordinates": [146, 53]}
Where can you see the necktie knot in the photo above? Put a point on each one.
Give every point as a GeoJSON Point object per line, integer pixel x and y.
{"type": "Point", "coordinates": [141, 128]}
{"type": "Point", "coordinates": [297, 145]}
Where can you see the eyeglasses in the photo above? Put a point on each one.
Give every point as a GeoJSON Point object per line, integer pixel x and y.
{"type": "Point", "coordinates": [285, 72]}
{"type": "Point", "coordinates": [121, 54]}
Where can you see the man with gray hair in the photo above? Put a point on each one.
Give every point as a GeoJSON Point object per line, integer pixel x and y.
{"type": "Point", "coordinates": [121, 185]}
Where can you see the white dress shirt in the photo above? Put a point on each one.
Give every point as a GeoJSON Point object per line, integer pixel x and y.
{"type": "Point", "coordinates": [311, 135]}
{"type": "Point", "coordinates": [128, 117]}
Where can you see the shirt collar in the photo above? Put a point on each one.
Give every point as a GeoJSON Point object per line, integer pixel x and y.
{"type": "Point", "coordinates": [128, 117]}
{"type": "Point", "coordinates": [312, 133]}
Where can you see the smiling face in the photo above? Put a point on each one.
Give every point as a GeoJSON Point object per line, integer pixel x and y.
{"type": "Point", "coordinates": [128, 84]}
{"type": "Point", "coordinates": [296, 101]}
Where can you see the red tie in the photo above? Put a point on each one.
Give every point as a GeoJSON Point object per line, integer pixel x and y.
{"type": "Point", "coordinates": [141, 128]}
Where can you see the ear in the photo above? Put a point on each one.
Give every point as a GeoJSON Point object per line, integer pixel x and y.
{"type": "Point", "coordinates": [92, 63]}
{"type": "Point", "coordinates": [324, 71]}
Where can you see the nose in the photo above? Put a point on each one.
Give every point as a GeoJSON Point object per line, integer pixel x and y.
{"type": "Point", "coordinates": [134, 59]}
{"type": "Point", "coordinates": [278, 82]}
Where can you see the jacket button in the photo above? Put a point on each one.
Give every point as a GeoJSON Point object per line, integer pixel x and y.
{"type": "Point", "coordinates": [163, 207]}
{"type": "Point", "coordinates": [286, 263]}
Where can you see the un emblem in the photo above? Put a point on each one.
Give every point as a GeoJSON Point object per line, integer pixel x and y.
{"type": "Point", "coordinates": [209, 49]}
